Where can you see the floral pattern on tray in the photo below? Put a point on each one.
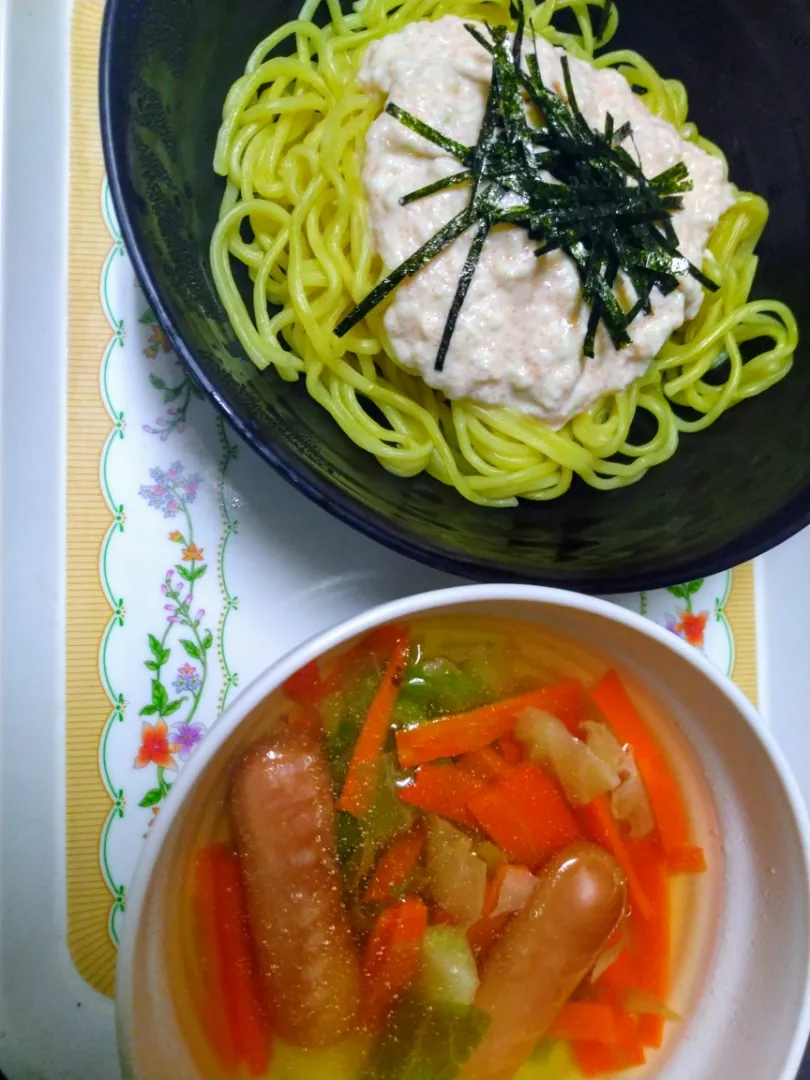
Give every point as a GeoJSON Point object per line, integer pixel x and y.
{"type": "Point", "coordinates": [211, 573]}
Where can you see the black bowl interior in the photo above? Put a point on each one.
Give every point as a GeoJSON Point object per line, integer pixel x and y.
{"type": "Point", "coordinates": [728, 494]}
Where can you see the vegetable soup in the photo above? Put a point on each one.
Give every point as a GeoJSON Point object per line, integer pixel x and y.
{"type": "Point", "coordinates": [460, 847]}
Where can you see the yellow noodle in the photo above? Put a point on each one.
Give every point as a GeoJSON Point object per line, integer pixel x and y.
{"type": "Point", "coordinates": [291, 146]}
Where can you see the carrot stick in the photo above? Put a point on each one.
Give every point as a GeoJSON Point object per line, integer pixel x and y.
{"type": "Point", "coordinates": [392, 959]}
{"type": "Point", "coordinates": [358, 788]}
{"type": "Point", "coordinates": [599, 825]}
{"type": "Point", "coordinates": [444, 790]}
{"type": "Point", "coordinates": [395, 865]}
{"type": "Point", "coordinates": [451, 736]}
{"type": "Point", "coordinates": [586, 1021]}
{"type": "Point", "coordinates": [645, 963]}
{"type": "Point", "coordinates": [377, 643]}
{"type": "Point", "coordinates": [526, 815]}
{"type": "Point", "coordinates": [510, 749]}
{"type": "Point", "coordinates": [308, 686]}
{"type": "Point", "coordinates": [243, 1010]}
{"type": "Point", "coordinates": [304, 686]}
{"type": "Point", "coordinates": [594, 1058]}
{"type": "Point", "coordinates": [487, 764]}
{"type": "Point", "coordinates": [630, 1051]}
{"type": "Point", "coordinates": [665, 798]}
{"type": "Point", "coordinates": [651, 935]}
{"type": "Point", "coordinates": [621, 975]}
{"type": "Point", "coordinates": [212, 960]}
{"type": "Point", "coordinates": [686, 860]}
{"type": "Point", "coordinates": [651, 1030]}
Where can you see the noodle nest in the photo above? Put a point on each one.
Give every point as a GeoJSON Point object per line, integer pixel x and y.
{"type": "Point", "coordinates": [294, 215]}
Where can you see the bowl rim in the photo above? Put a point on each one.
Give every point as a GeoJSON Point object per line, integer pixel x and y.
{"type": "Point", "coordinates": [780, 526]}
{"type": "Point", "coordinates": [421, 604]}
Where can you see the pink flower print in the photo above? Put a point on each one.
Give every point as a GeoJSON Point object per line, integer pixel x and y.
{"type": "Point", "coordinates": [187, 680]}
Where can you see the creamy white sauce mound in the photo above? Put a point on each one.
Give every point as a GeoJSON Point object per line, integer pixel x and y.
{"type": "Point", "coordinates": [519, 338]}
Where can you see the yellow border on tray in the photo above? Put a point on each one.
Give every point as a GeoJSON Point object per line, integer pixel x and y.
{"type": "Point", "coordinates": [741, 612]}
{"type": "Point", "coordinates": [89, 519]}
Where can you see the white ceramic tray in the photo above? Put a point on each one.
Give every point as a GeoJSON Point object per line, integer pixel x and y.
{"type": "Point", "coordinates": [301, 568]}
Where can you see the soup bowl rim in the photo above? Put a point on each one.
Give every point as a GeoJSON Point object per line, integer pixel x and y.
{"type": "Point", "coordinates": [420, 604]}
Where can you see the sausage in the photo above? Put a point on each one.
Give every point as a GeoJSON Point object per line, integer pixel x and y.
{"type": "Point", "coordinates": [284, 825]}
{"type": "Point", "coordinates": [543, 955]}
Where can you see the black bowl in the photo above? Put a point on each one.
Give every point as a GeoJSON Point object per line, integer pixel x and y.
{"type": "Point", "coordinates": [727, 495]}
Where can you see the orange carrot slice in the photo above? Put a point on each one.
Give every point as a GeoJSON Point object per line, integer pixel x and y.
{"type": "Point", "coordinates": [586, 1021]}
{"type": "Point", "coordinates": [444, 790]}
{"type": "Point", "coordinates": [304, 686]}
{"type": "Point", "coordinates": [212, 960]}
{"type": "Point", "coordinates": [358, 789]}
{"type": "Point", "coordinates": [238, 983]}
{"type": "Point", "coordinates": [686, 860]}
{"type": "Point", "coordinates": [651, 944]}
{"type": "Point", "coordinates": [510, 749]}
{"type": "Point", "coordinates": [526, 815]}
{"type": "Point", "coordinates": [451, 736]}
{"type": "Point", "coordinates": [651, 1031]}
{"type": "Point", "coordinates": [599, 825]}
{"type": "Point", "coordinates": [308, 686]}
{"type": "Point", "coordinates": [392, 959]}
{"type": "Point", "coordinates": [486, 764]}
{"type": "Point", "coordinates": [395, 866]}
{"type": "Point", "coordinates": [630, 1051]}
{"type": "Point", "coordinates": [377, 644]}
{"type": "Point", "coordinates": [665, 798]}
{"type": "Point", "coordinates": [595, 1058]}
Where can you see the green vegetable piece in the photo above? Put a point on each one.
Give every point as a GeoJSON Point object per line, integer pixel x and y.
{"type": "Point", "coordinates": [388, 817]}
{"type": "Point", "coordinates": [449, 974]}
{"type": "Point", "coordinates": [437, 688]}
{"type": "Point", "coordinates": [426, 1042]}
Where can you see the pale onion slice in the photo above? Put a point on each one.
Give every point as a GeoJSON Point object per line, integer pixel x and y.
{"type": "Point", "coordinates": [629, 802]}
{"type": "Point", "coordinates": [643, 1003]}
{"type": "Point", "coordinates": [604, 744]}
{"type": "Point", "coordinates": [582, 773]}
{"type": "Point", "coordinates": [458, 878]}
{"type": "Point", "coordinates": [606, 960]}
{"type": "Point", "coordinates": [518, 885]}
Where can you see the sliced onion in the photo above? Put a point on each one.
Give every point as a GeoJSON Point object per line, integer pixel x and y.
{"type": "Point", "coordinates": [606, 960]}
{"type": "Point", "coordinates": [518, 885]}
{"type": "Point", "coordinates": [644, 1003]}
{"type": "Point", "coordinates": [604, 744]}
{"type": "Point", "coordinates": [629, 803]}
{"type": "Point", "coordinates": [458, 878]}
{"type": "Point", "coordinates": [582, 773]}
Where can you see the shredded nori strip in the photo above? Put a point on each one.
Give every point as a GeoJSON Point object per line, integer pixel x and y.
{"type": "Point", "coordinates": [579, 191]}
{"type": "Point", "coordinates": [427, 132]}
{"type": "Point", "coordinates": [438, 185]}
{"type": "Point", "coordinates": [442, 239]}
{"type": "Point", "coordinates": [464, 282]}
